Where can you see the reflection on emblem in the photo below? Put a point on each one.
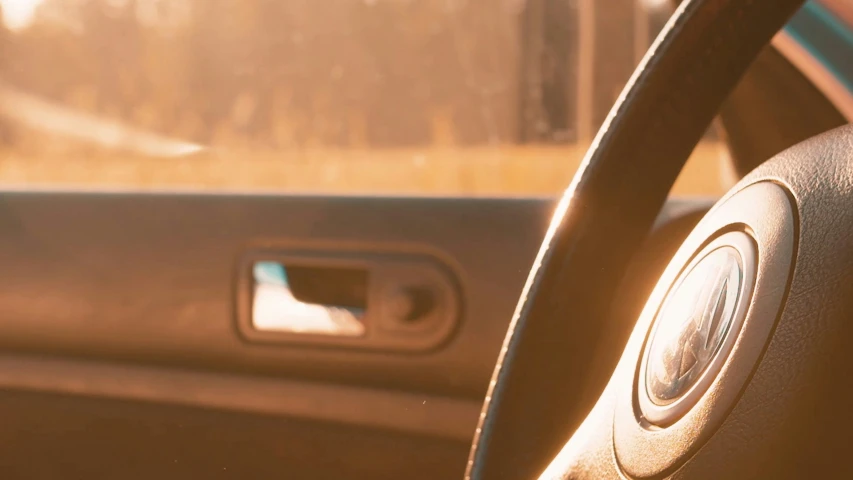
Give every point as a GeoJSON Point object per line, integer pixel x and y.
{"type": "Point", "coordinates": [692, 325]}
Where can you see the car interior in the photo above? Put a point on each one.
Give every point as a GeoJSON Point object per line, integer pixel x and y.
{"type": "Point", "coordinates": [162, 331]}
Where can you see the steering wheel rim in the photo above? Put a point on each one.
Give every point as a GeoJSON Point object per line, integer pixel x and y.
{"type": "Point", "coordinates": [530, 410]}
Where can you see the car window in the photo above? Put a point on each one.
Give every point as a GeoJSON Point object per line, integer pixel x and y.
{"type": "Point", "coordinates": [443, 97]}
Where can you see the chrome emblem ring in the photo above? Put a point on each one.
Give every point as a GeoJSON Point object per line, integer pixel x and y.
{"type": "Point", "coordinates": [696, 328]}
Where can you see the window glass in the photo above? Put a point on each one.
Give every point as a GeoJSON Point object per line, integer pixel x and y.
{"type": "Point", "coordinates": [447, 97]}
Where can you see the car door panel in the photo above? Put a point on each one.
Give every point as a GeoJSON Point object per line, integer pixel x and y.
{"type": "Point", "coordinates": [126, 302]}
{"type": "Point", "coordinates": [68, 437]}
{"type": "Point", "coordinates": [150, 278]}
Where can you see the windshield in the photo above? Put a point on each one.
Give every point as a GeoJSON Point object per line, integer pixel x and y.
{"type": "Point", "coordinates": [448, 97]}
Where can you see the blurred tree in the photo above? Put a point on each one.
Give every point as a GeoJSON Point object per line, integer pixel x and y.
{"type": "Point", "coordinates": [6, 137]}
{"type": "Point", "coordinates": [4, 42]}
{"type": "Point", "coordinates": [282, 73]}
{"type": "Point", "coordinates": [113, 40]}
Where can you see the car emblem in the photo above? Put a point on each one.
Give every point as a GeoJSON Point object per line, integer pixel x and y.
{"type": "Point", "coordinates": [691, 329]}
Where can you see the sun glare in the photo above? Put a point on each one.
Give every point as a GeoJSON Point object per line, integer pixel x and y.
{"type": "Point", "coordinates": [18, 14]}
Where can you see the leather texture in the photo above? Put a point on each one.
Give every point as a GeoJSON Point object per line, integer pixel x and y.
{"type": "Point", "coordinates": [792, 419]}
{"type": "Point", "coordinates": [531, 408]}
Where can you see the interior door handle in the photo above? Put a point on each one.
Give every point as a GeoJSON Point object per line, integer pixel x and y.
{"type": "Point", "coordinates": [346, 297]}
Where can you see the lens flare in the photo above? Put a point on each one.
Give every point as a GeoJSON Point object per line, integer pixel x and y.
{"type": "Point", "coordinates": [18, 14]}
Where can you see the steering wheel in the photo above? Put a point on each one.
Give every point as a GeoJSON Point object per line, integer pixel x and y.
{"type": "Point", "coordinates": [739, 365]}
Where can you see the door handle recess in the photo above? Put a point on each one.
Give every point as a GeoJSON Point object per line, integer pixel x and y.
{"type": "Point", "coordinates": [363, 299]}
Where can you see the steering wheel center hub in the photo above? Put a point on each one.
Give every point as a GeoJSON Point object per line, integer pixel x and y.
{"type": "Point", "coordinates": [696, 327]}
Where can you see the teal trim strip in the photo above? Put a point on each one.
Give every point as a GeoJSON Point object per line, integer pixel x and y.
{"type": "Point", "coordinates": [826, 39]}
